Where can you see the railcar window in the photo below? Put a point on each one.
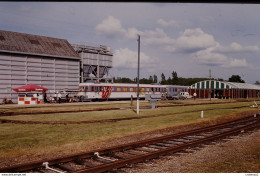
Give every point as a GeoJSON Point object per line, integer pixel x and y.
{"type": "Point", "coordinates": [118, 89]}
{"type": "Point", "coordinates": [122, 89]}
{"type": "Point", "coordinates": [114, 89]}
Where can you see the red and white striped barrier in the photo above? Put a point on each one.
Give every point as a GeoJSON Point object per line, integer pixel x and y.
{"type": "Point", "coordinates": [27, 100]}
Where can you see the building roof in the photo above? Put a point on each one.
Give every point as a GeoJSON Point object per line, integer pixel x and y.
{"type": "Point", "coordinates": [102, 49]}
{"type": "Point", "coordinates": [223, 85]}
{"type": "Point", "coordinates": [21, 43]}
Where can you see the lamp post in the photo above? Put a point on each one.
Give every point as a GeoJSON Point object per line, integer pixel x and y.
{"type": "Point", "coordinates": [138, 70]}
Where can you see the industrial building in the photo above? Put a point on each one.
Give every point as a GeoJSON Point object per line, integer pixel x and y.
{"type": "Point", "coordinates": [96, 62]}
{"type": "Point", "coordinates": [223, 89]}
{"type": "Point", "coordinates": [48, 62]}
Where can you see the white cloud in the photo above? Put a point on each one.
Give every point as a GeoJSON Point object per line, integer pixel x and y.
{"type": "Point", "coordinates": [127, 58]}
{"type": "Point", "coordinates": [192, 40]}
{"type": "Point", "coordinates": [237, 63]}
{"type": "Point", "coordinates": [235, 47]}
{"type": "Point", "coordinates": [132, 33]}
{"type": "Point", "coordinates": [110, 27]}
{"type": "Point", "coordinates": [157, 37]}
{"type": "Point", "coordinates": [170, 23]}
{"type": "Point", "coordinates": [203, 45]}
{"type": "Point", "coordinates": [208, 57]}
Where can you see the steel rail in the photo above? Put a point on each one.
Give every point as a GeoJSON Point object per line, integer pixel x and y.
{"type": "Point", "coordinates": [156, 154]}
{"type": "Point", "coordinates": [29, 166]}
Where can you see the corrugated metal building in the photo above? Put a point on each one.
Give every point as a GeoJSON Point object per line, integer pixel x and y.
{"type": "Point", "coordinates": [45, 61]}
{"type": "Point", "coordinates": [223, 89]}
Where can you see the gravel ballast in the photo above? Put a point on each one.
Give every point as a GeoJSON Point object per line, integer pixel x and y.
{"type": "Point", "coordinates": [239, 154]}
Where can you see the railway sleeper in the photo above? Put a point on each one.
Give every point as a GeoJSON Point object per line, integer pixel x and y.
{"type": "Point", "coordinates": [164, 144]}
{"type": "Point", "coordinates": [190, 138]}
{"type": "Point", "coordinates": [65, 167]}
{"type": "Point", "coordinates": [118, 155]}
{"type": "Point", "coordinates": [172, 143]}
{"type": "Point", "coordinates": [131, 152]}
{"type": "Point", "coordinates": [99, 158]}
{"type": "Point", "coordinates": [102, 160]}
{"type": "Point", "coordinates": [83, 162]}
{"type": "Point", "coordinates": [145, 149]}
{"type": "Point", "coordinates": [156, 146]}
{"type": "Point", "coordinates": [180, 140]}
{"type": "Point", "coordinates": [45, 171]}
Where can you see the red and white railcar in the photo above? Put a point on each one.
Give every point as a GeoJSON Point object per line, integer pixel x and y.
{"type": "Point", "coordinates": [117, 90]}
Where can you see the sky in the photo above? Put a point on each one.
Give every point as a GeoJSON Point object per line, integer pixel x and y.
{"type": "Point", "coordinates": [188, 38]}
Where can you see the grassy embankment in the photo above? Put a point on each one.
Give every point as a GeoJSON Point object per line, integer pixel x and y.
{"type": "Point", "coordinates": [24, 139]}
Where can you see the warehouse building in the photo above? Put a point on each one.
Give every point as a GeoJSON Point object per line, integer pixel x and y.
{"type": "Point", "coordinates": [223, 89]}
{"type": "Point", "coordinates": [33, 59]}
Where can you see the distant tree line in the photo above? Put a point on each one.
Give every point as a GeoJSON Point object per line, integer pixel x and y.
{"type": "Point", "coordinates": [175, 80]}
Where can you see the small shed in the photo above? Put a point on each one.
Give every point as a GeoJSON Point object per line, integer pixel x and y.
{"type": "Point", "coordinates": [27, 92]}
{"type": "Point", "coordinates": [224, 89]}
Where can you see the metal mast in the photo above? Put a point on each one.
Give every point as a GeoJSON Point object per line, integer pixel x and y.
{"type": "Point", "coordinates": [138, 71]}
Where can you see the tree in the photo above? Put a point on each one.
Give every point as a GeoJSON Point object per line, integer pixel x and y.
{"type": "Point", "coordinates": [151, 79]}
{"type": "Point", "coordinates": [257, 82]}
{"type": "Point", "coordinates": [155, 79]}
{"type": "Point", "coordinates": [236, 78]}
{"type": "Point", "coordinates": [174, 77]}
{"type": "Point", "coordinates": [169, 81]}
{"type": "Point", "coordinates": [163, 81]}
{"type": "Point", "coordinates": [122, 80]}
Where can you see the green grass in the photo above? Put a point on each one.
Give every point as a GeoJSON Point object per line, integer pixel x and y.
{"type": "Point", "coordinates": [21, 138]}
{"type": "Point", "coordinates": [96, 115]}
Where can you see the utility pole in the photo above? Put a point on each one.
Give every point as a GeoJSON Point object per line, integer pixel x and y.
{"type": "Point", "coordinates": [210, 91]}
{"type": "Point", "coordinates": [138, 70]}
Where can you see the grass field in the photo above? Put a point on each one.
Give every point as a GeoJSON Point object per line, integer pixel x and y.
{"type": "Point", "coordinates": [25, 139]}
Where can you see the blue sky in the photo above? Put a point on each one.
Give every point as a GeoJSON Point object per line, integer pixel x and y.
{"type": "Point", "coordinates": [187, 38]}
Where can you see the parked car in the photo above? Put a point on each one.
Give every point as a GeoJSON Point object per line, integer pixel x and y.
{"type": "Point", "coordinates": [178, 97]}
{"type": "Point", "coordinates": [185, 94]}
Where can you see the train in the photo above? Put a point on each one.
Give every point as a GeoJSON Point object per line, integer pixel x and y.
{"type": "Point", "coordinates": [98, 91]}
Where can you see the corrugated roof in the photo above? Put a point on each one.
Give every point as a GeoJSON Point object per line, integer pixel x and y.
{"type": "Point", "coordinates": [35, 45]}
{"type": "Point", "coordinates": [224, 85]}
{"type": "Point", "coordinates": [243, 86]}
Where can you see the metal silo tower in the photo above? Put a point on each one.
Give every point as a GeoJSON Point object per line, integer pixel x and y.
{"type": "Point", "coordinates": [96, 62]}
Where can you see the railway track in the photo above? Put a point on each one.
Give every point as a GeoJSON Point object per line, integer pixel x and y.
{"type": "Point", "coordinates": [109, 159]}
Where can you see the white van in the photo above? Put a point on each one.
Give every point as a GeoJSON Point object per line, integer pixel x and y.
{"type": "Point", "coordinates": [186, 94]}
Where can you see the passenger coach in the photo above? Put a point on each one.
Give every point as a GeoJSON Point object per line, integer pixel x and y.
{"type": "Point", "coordinates": [117, 90]}
{"type": "Point", "coordinates": [91, 91]}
